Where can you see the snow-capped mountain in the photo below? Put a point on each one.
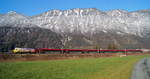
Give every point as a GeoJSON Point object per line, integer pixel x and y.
{"type": "Point", "coordinates": [15, 20]}
{"type": "Point", "coordinates": [84, 21]}
{"type": "Point", "coordinates": [87, 27]}
{"type": "Point", "coordinates": [93, 21]}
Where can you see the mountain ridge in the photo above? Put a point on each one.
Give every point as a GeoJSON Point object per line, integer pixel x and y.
{"type": "Point", "coordinates": [89, 26]}
{"type": "Point", "coordinates": [113, 19]}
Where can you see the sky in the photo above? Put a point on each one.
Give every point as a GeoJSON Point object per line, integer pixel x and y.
{"type": "Point", "coordinates": [35, 7]}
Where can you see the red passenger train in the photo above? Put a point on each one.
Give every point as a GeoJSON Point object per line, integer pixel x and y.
{"type": "Point", "coordinates": [88, 50]}
{"type": "Point", "coordinates": [43, 50]}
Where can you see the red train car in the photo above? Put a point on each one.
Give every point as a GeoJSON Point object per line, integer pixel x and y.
{"type": "Point", "coordinates": [88, 50]}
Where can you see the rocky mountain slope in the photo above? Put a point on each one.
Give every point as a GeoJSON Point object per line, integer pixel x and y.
{"type": "Point", "coordinates": [91, 21]}
{"type": "Point", "coordinates": [87, 27]}
{"type": "Point", "coordinates": [28, 37]}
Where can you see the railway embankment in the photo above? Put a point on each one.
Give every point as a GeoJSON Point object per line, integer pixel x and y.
{"type": "Point", "coordinates": [34, 57]}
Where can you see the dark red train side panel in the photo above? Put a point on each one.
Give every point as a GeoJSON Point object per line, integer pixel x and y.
{"type": "Point", "coordinates": [91, 50]}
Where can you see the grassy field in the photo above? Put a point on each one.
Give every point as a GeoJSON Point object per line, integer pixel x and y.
{"type": "Point", "coordinates": [89, 68]}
